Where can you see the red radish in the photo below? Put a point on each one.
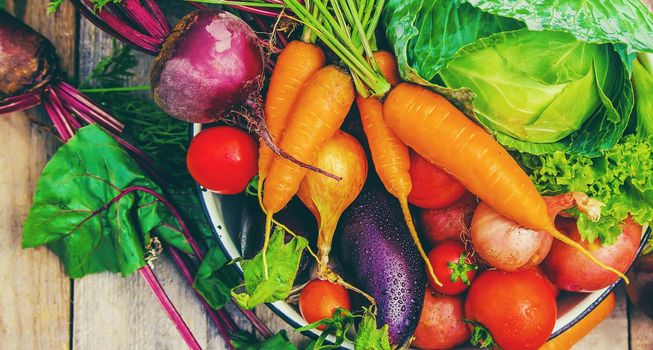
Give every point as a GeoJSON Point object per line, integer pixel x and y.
{"type": "Point", "coordinates": [432, 187]}
{"type": "Point", "coordinates": [442, 324]}
{"type": "Point", "coordinates": [223, 159]}
{"type": "Point", "coordinates": [504, 244]}
{"type": "Point", "coordinates": [452, 222]}
{"type": "Point", "coordinates": [574, 272]}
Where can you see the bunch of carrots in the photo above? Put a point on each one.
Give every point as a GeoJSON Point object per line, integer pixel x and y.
{"type": "Point", "coordinates": [308, 100]}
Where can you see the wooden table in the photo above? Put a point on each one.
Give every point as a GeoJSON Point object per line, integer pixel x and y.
{"type": "Point", "coordinates": [43, 309]}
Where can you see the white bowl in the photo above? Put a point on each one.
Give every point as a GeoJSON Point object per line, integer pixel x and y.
{"type": "Point", "coordinates": [225, 217]}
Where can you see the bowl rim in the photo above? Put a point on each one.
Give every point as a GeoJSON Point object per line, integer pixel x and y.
{"type": "Point", "coordinates": [279, 306]}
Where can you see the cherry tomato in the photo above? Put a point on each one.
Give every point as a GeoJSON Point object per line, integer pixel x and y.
{"type": "Point", "coordinates": [517, 308]}
{"type": "Point", "coordinates": [442, 324]}
{"type": "Point", "coordinates": [319, 299]}
{"type": "Point", "coordinates": [223, 159]}
{"type": "Point", "coordinates": [452, 266]}
{"type": "Point", "coordinates": [432, 187]}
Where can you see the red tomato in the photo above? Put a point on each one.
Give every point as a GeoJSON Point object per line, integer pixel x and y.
{"type": "Point", "coordinates": [432, 187]}
{"type": "Point", "coordinates": [441, 325]}
{"type": "Point", "coordinates": [223, 159]}
{"type": "Point", "coordinates": [319, 299]}
{"type": "Point", "coordinates": [517, 308]}
{"type": "Point", "coordinates": [450, 261]}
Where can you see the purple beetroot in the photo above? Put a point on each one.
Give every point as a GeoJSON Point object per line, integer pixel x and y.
{"type": "Point", "coordinates": [210, 64]}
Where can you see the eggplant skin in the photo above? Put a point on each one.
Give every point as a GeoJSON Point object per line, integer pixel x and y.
{"type": "Point", "coordinates": [27, 59]}
{"type": "Point", "coordinates": [376, 249]}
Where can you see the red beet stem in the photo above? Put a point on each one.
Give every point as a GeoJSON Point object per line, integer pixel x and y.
{"type": "Point", "coordinates": [85, 108]}
{"type": "Point", "coordinates": [258, 324]}
{"type": "Point", "coordinates": [145, 20]}
{"type": "Point", "coordinates": [170, 309]}
{"type": "Point", "coordinates": [20, 102]}
{"type": "Point", "coordinates": [213, 314]}
{"type": "Point", "coordinates": [117, 27]}
{"type": "Point", "coordinates": [158, 15]}
{"type": "Point", "coordinates": [58, 118]}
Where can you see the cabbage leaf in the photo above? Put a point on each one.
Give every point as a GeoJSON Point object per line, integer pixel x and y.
{"type": "Point", "coordinates": [594, 21]}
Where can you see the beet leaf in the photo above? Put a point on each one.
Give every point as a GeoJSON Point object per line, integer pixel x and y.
{"type": "Point", "coordinates": [282, 273]}
{"type": "Point", "coordinates": [212, 281]}
{"type": "Point", "coordinates": [88, 209]}
{"type": "Point", "coordinates": [247, 341]}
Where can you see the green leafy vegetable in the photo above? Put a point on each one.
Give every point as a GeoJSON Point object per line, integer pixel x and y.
{"type": "Point", "coordinates": [338, 326]}
{"type": "Point", "coordinates": [643, 84]}
{"type": "Point", "coordinates": [620, 178]}
{"type": "Point", "coordinates": [538, 92]}
{"type": "Point", "coordinates": [594, 21]}
{"type": "Point", "coordinates": [368, 337]}
{"type": "Point", "coordinates": [247, 341]}
{"type": "Point", "coordinates": [427, 34]}
{"type": "Point", "coordinates": [567, 95]}
{"type": "Point", "coordinates": [82, 208]}
{"type": "Point", "coordinates": [211, 281]}
{"type": "Point", "coordinates": [282, 272]}
{"type": "Point", "coordinates": [53, 6]}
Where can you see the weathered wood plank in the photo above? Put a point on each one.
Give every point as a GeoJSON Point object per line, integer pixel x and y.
{"type": "Point", "coordinates": [111, 312]}
{"type": "Point", "coordinates": [641, 330]}
{"type": "Point", "coordinates": [35, 293]}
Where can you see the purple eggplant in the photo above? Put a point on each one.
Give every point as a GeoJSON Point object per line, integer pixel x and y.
{"type": "Point", "coordinates": [27, 59]}
{"type": "Point", "coordinates": [377, 251]}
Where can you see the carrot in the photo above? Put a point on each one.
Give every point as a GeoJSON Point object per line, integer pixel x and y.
{"type": "Point", "coordinates": [443, 135]}
{"type": "Point", "coordinates": [389, 153]}
{"type": "Point", "coordinates": [295, 65]}
{"type": "Point", "coordinates": [571, 336]}
{"type": "Point", "coordinates": [317, 114]}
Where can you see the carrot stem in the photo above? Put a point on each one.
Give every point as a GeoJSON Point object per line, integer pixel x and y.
{"type": "Point", "coordinates": [403, 200]}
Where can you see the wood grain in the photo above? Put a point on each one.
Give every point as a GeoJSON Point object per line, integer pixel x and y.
{"type": "Point", "coordinates": [641, 330]}
{"type": "Point", "coordinates": [35, 293]}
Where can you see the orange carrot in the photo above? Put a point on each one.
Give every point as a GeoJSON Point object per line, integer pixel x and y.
{"type": "Point", "coordinates": [317, 114]}
{"type": "Point", "coordinates": [295, 65]}
{"type": "Point", "coordinates": [443, 135]}
{"type": "Point", "coordinates": [571, 336]}
{"type": "Point", "coordinates": [389, 153]}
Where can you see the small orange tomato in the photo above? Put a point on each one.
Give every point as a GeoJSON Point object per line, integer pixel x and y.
{"type": "Point", "coordinates": [319, 299]}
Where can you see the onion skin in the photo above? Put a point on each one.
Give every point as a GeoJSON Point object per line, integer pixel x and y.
{"type": "Point", "coordinates": [573, 272]}
{"type": "Point", "coordinates": [28, 60]}
{"type": "Point", "coordinates": [504, 244]}
{"type": "Point", "coordinates": [209, 65]}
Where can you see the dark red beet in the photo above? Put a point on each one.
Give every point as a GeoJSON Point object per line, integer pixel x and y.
{"type": "Point", "coordinates": [27, 59]}
{"type": "Point", "coordinates": [209, 65]}
{"type": "Point", "coordinates": [377, 250]}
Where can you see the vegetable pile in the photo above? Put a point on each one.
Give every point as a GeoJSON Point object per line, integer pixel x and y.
{"type": "Point", "coordinates": [499, 153]}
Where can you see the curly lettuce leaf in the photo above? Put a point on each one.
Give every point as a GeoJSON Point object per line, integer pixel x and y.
{"type": "Point", "coordinates": [621, 178]}
{"type": "Point", "coordinates": [82, 214]}
{"type": "Point", "coordinates": [283, 263]}
{"type": "Point", "coordinates": [595, 21]}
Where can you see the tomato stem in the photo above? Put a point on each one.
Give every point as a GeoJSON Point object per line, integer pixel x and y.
{"type": "Point", "coordinates": [460, 268]}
